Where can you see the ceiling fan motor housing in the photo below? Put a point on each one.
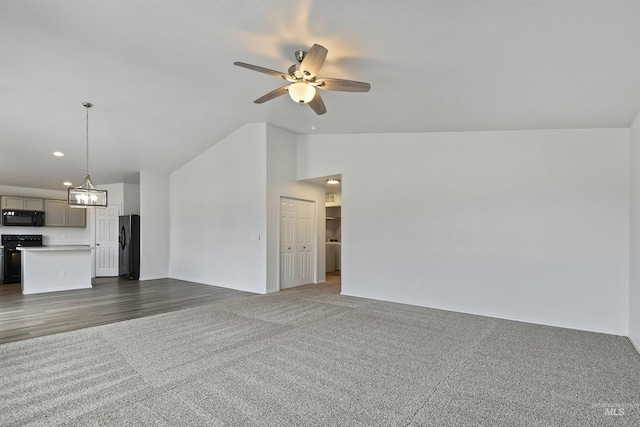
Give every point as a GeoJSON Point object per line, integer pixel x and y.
{"type": "Point", "coordinates": [295, 72]}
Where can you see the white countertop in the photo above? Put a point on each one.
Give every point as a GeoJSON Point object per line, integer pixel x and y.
{"type": "Point", "coordinates": [55, 248]}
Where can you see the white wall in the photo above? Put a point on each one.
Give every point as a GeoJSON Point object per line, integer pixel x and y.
{"type": "Point", "coordinates": [125, 196]}
{"type": "Point", "coordinates": [131, 199]}
{"type": "Point", "coordinates": [115, 196]}
{"type": "Point", "coordinates": [8, 190]}
{"type": "Point", "coordinates": [281, 182]}
{"type": "Point", "coordinates": [634, 237]}
{"type": "Point", "coordinates": [524, 225]}
{"type": "Point", "coordinates": [218, 200]}
{"type": "Point", "coordinates": [154, 225]}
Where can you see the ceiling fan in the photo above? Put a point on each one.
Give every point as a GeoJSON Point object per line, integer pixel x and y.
{"type": "Point", "coordinates": [304, 81]}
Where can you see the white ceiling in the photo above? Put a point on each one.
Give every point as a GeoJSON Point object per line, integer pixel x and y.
{"type": "Point", "coordinates": [162, 79]}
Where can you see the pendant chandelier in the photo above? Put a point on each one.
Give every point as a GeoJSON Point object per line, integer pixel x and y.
{"type": "Point", "coordinates": [87, 195]}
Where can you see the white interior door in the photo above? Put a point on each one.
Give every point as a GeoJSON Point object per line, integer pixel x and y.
{"type": "Point", "coordinates": [305, 243]}
{"type": "Point", "coordinates": [297, 242]}
{"type": "Point", "coordinates": [288, 216]}
{"type": "Point", "coordinates": [107, 241]}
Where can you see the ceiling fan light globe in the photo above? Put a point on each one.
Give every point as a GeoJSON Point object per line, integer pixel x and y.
{"type": "Point", "coordinates": [301, 92]}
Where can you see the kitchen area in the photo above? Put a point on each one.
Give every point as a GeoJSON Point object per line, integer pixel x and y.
{"type": "Point", "coordinates": [46, 245]}
{"type": "Point", "coordinates": [27, 261]}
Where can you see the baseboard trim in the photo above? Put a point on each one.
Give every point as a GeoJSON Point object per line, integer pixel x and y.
{"type": "Point", "coordinates": [577, 327]}
{"type": "Point", "coordinates": [634, 344]}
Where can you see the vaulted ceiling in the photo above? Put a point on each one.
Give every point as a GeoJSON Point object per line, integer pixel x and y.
{"type": "Point", "coordinates": [161, 76]}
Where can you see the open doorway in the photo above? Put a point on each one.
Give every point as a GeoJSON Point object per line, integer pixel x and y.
{"type": "Point", "coordinates": [332, 244]}
{"type": "Point", "coordinates": [333, 224]}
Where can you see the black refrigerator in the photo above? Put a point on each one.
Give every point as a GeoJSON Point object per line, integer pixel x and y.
{"type": "Point", "coordinates": [129, 244]}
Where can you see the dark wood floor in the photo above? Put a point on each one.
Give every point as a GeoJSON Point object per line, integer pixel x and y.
{"type": "Point", "coordinates": [110, 300]}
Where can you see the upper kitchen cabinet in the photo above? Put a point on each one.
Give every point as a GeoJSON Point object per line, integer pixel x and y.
{"type": "Point", "coordinates": [55, 213]}
{"type": "Point", "coordinates": [22, 203]}
{"type": "Point", "coordinates": [76, 217]}
{"type": "Point", "coordinates": [59, 214]}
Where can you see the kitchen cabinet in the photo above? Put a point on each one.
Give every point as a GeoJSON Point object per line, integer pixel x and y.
{"type": "Point", "coordinates": [59, 214]}
{"type": "Point", "coordinates": [22, 203]}
{"type": "Point", "coordinates": [54, 213]}
{"type": "Point", "coordinates": [76, 217]}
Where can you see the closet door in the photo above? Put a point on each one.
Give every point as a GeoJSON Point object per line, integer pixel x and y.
{"type": "Point", "coordinates": [297, 242]}
{"type": "Point", "coordinates": [288, 218]}
{"type": "Point", "coordinates": [305, 243]}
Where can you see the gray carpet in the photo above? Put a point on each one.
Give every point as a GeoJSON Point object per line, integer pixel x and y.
{"type": "Point", "coordinates": [308, 356]}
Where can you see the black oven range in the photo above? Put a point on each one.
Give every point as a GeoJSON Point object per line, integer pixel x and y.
{"type": "Point", "coordinates": [12, 268]}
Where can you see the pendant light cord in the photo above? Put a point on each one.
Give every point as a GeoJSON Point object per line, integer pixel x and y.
{"type": "Point", "coordinates": [87, 105]}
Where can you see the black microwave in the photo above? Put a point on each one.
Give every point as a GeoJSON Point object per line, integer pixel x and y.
{"type": "Point", "coordinates": [22, 218]}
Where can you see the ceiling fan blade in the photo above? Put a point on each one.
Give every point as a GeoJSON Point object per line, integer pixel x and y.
{"type": "Point", "coordinates": [261, 69]}
{"type": "Point", "coordinates": [343, 85]}
{"type": "Point", "coordinates": [317, 104]}
{"type": "Point", "coordinates": [273, 94]}
{"type": "Point", "coordinates": [313, 61]}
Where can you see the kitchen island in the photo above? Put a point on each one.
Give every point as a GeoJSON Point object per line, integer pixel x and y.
{"type": "Point", "coordinates": [55, 268]}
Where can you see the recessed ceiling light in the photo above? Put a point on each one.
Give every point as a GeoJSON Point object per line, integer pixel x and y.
{"type": "Point", "coordinates": [67, 184]}
{"type": "Point", "coordinates": [333, 181]}
{"type": "Point", "coordinates": [58, 153]}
